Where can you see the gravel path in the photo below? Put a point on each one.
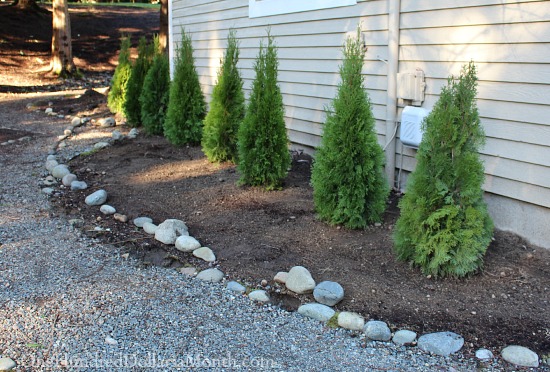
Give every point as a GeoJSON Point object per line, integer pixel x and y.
{"type": "Point", "coordinates": [68, 301]}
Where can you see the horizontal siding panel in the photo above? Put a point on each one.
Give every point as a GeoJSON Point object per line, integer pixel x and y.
{"type": "Point", "coordinates": [426, 5]}
{"type": "Point", "coordinates": [520, 151]}
{"type": "Point", "coordinates": [517, 171]}
{"type": "Point", "coordinates": [518, 190]}
{"type": "Point", "coordinates": [475, 15]}
{"type": "Point", "coordinates": [483, 34]}
{"type": "Point", "coordinates": [517, 131]}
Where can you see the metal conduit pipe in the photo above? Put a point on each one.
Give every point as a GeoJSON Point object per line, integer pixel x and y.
{"type": "Point", "coordinates": [394, 12]}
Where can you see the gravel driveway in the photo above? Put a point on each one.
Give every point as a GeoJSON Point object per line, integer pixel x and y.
{"type": "Point", "coordinates": [67, 301]}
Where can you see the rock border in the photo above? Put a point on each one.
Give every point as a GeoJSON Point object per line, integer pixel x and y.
{"type": "Point", "coordinates": [298, 279]}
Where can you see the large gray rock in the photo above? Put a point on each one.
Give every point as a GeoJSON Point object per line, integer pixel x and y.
{"type": "Point", "coordinates": [236, 287]}
{"type": "Point", "coordinates": [318, 312]}
{"type": "Point", "coordinates": [97, 198]}
{"type": "Point", "coordinates": [377, 330]}
{"type": "Point", "coordinates": [404, 337]}
{"type": "Point", "coordinates": [205, 253]}
{"type": "Point", "coordinates": [140, 221]}
{"type": "Point", "coordinates": [520, 356]}
{"type": "Point", "coordinates": [68, 179]}
{"type": "Point", "coordinates": [259, 296]}
{"type": "Point", "coordinates": [441, 343]}
{"type": "Point", "coordinates": [299, 280]}
{"type": "Point", "coordinates": [210, 275]}
{"type": "Point", "coordinates": [328, 293]}
{"type": "Point", "coordinates": [187, 243]}
{"type": "Point", "coordinates": [116, 135]}
{"type": "Point", "coordinates": [168, 231]}
{"type": "Point", "coordinates": [60, 171]}
{"type": "Point", "coordinates": [6, 364]}
{"type": "Point", "coordinates": [51, 164]}
{"type": "Point", "coordinates": [107, 122]}
{"type": "Point", "coordinates": [349, 320]}
{"type": "Point", "coordinates": [79, 185]}
{"type": "Point", "coordinates": [133, 133]}
{"type": "Point", "coordinates": [101, 145]}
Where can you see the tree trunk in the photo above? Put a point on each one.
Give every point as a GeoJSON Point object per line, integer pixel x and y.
{"type": "Point", "coordinates": [62, 52]}
{"type": "Point", "coordinates": [163, 35]}
{"type": "Point", "coordinates": [26, 4]}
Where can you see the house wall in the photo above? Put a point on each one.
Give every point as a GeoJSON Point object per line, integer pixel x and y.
{"type": "Point", "coordinates": [509, 42]}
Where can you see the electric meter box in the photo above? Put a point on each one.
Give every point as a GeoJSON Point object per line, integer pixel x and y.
{"type": "Point", "coordinates": [411, 125]}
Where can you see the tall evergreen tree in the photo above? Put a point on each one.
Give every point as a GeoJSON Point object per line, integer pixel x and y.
{"type": "Point", "coordinates": [117, 93]}
{"type": "Point", "coordinates": [349, 187]}
{"type": "Point", "coordinates": [132, 106]}
{"type": "Point", "coordinates": [155, 95]}
{"type": "Point", "coordinates": [262, 139]}
{"type": "Point", "coordinates": [219, 139]}
{"type": "Point", "coordinates": [444, 225]}
{"type": "Point", "coordinates": [186, 107]}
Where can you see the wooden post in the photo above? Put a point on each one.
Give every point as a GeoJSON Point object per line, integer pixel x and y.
{"type": "Point", "coordinates": [62, 53]}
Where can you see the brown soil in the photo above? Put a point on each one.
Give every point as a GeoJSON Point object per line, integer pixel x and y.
{"type": "Point", "coordinates": [255, 233]}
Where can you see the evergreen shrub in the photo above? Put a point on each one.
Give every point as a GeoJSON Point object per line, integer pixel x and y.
{"type": "Point", "coordinates": [219, 139]}
{"type": "Point", "coordinates": [117, 92]}
{"type": "Point", "coordinates": [444, 227]}
{"type": "Point", "coordinates": [132, 106]}
{"type": "Point", "coordinates": [264, 157]}
{"type": "Point", "coordinates": [155, 95]}
{"type": "Point", "coordinates": [186, 107]}
{"type": "Point", "coordinates": [349, 186]}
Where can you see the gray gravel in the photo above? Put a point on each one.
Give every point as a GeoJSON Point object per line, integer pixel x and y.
{"type": "Point", "coordinates": [71, 301]}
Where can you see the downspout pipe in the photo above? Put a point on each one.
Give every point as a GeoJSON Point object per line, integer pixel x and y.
{"type": "Point", "coordinates": [171, 57]}
{"type": "Point", "coordinates": [394, 12]}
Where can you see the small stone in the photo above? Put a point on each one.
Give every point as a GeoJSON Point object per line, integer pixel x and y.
{"type": "Point", "coordinates": [484, 354]}
{"type": "Point", "coordinates": [110, 341]}
{"type": "Point", "coordinates": [263, 283]}
{"type": "Point", "coordinates": [4, 144]}
{"type": "Point", "coordinates": [107, 209]}
{"type": "Point", "coordinates": [79, 185]}
{"type": "Point", "coordinates": [68, 179]}
{"type": "Point", "coordinates": [68, 132]}
{"type": "Point", "coordinates": [51, 157]}
{"type": "Point", "coordinates": [76, 222]}
{"type": "Point", "coordinates": [441, 343]}
{"type": "Point", "coordinates": [49, 181]}
{"type": "Point", "coordinates": [187, 243]}
{"type": "Point", "coordinates": [101, 145]}
{"type": "Point", "coordinates": [133, 133]}
{"type": "Point", "coordinates": [116, 135]}
{"type": "Point", "coordinates": [7, 364]}
{"type": "Point", "coordinates": [107, 122]}
{"type": "Point", "coordinates": [377, 330]}
{"type": "Point", "coordinates": [140, 221]}
{"type": "Point", "coordinates": [125, 256]}
{"type": "Point", "coordinates": [328, 293]}
{"type": "Point", "coordinates": [520, 356]}
{"type": "Point", "coordinates": [120, 217]}
{"type": "Point", "coordinates": [60, 171]}
{"type": "Point", "coordinates": [210, 275]}
{"type": "Point", "coordinates": [404, 337]}
{"type": "Point", "coordinates": [49, 110]}
{"type": "Point", "coordinates": [48, 190]}
{"type": "Point", "coordinates": [51, 164]}
{"type": "Point", "coordinates": [281, 277]}
{"type": "Point", "coordinates": [168, 231]}
{"type": "Point", "coordinates": [318, 312]}
{"type": "Point", "coordinates": [11, 141]}
{"type": "Point", "coordinates": [62, 145]}
{"type": "Point", "coordinates": [352, 321]}
{"type": "Point", "coordinates": [76, 121]}
{"type": "Point", "coordinates": [150, 228]}
{"type": "Point", "coordinates": [259, 296]}
{"type": "Point", "coordinates": [236, 287]}
{"type": "Point", "coordinates": [25, 139]}
{"type": "Point", "coordinates": [189, 271]}
{"type": "Point", "coordinates": [299, 280]}
{"type": "Point", "coordinates": [97, 198]}
{"type": "Point", "coordinates": [205, 253]}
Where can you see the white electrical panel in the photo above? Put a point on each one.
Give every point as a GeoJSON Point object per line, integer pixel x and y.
{"type": "Point", "coordinates": [411, 86]}
{"type": "Point", "coordinates": [411, 125]}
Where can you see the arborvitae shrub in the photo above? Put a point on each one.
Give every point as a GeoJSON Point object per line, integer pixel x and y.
{"type": "Point", "coordinates": [117, 93]}
{"type": "Point", "coordinates": [219, 138]}
{"type": "Point", "coordinates": [132, 106]}
{"type": "Point", "coordinates": [186, 107]}
{"type": "Point", "coordinates": [155, 95]}
{"type": "Point", "coordinates": [349, 187]}
{"type": "Point", "coordinates": [264, 157]}
{"type": "Point", "coordinates": [444, 225]}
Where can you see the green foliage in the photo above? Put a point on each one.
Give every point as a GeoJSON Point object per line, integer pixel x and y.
{"type": "Point", "coordinates": [186, 107]}
{"type": "Point", "coordinates": [117, 93]}
{"type": "Point", "coordinates": [219, 139]}
{"type": "Point", "coordinates": [155, 95]}
{"type": "Point", "coordinates": [132, 106]}
{"type": "Point", "coordinates": [349, 187]}
{"type": "Point", "coordinates": [444, 225]}
{"type": "Point", "coordinates": [264, 158]}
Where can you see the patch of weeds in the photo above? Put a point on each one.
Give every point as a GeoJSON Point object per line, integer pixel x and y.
{"type": "Point", "coordinates": [333, 321]}
{"type": "Point", "coordinates": [34, 345]}
{"type": "Point", "coordinates": [89, 152]}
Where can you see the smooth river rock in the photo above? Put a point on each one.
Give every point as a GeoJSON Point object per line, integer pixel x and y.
{"type": "Point", "coordinates": [299, 280]}
{"type": "Point", "coordinates": [97, 198]}
{"type": "Point", "coordinates": [318, 312]}
{"type": "Point", "coordinates": [328, 293]}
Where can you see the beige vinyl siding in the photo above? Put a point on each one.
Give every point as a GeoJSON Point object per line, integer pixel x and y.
{"type": "Point", "coordinates": [510, 44]}
{"type": "Point", "coordinates": [309, 55]}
